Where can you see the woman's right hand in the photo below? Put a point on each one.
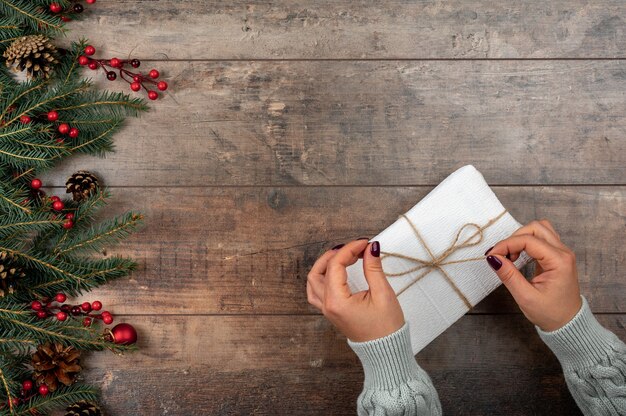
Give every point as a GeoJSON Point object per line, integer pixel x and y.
{"type": "Point", "coordinates": [552, 297]}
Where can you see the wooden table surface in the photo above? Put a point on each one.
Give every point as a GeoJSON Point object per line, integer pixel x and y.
{"type": "Point", "coordinates": [291, 126]}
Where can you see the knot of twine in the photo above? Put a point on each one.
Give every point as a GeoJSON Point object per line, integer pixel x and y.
{"type": "Point", "coordinates": [437, 262]}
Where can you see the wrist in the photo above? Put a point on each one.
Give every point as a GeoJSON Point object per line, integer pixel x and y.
{"type": "Point", "coordinates": [388, 361]}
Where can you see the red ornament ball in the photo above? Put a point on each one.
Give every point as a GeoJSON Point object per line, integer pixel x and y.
{"type": "Point", "coordinates": [42, 314]}
{"type": "Point", "coordinates": [124, 334]}
{"type": "Point", "coordinates": [55, 8]}
{"type": "Point", "coordinates": [43, 390]}
{"type": "Point", "coordinates": [86, 306]}
{"type": "Point", "coordinates": [115, 63]}
{"type": "Point", "coordinates": [96, 305]}
{"type": "Point", "coordinates": [36, 305]}
{"type": "Point", "coordinates": [64, 128]}
{"type": "Point", "coordinates": [93, 65]}
{"type": "Point", "coordinates": [74, 132]}
{"type": "Point", "coordinates": [36, 183]}
{"type": "Point", "coordinates": [52, 115]}
{"type": "Point", "coordinates": [27, 385]}
{"type": "Point", "coordinates": [135, 86]}
{"type": "Point", "coordinates": [153, 95]}
{"type": "Point", "coordinates": [61, 316]}
{"type": "Point", "coordinates": [154, 73]}
{"type": "Point", "coordinates": [67, 224]}
{"type": "Point", "coordinates": [162, 85]}
{"type": "Point", "coordinates": [58, 206]}
{"type": "Point", "coordinates": [83, 60]}
{"type": "Point", "coordinates": [107, 319]}
{"type": "Point", "coordinates": [60, 297]}
{"type": "Point", "coordinates": [89, 50]}
{"type": "Point", "coordinates": [25, 119]}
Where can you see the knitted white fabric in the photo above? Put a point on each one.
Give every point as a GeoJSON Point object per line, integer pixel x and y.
{"type": "Point", "coordinates": [431, 305]}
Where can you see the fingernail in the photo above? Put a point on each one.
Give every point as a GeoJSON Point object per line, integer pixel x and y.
{"type": "Point", "coordinates": [488, 250]}
{"type": "Point", "coordinates": [375, 249]}
{"type": "Point", "coordinates": [494, 262]}
{"type": "Point", "coordinates": [363, 238]}
{"type": "Point", "coordinates": [338, 246]}
{"type": "Point", "coordinates": [508, 256]}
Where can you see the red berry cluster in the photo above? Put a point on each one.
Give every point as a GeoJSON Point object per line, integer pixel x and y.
{"type": "Point", "coordinates": [137, 80]}
{"type": "Point", "coordinates": [62, 311]}
{"type": "Point", "coordinates": [56, 204]}
{"type": "Point", "coordinates": [65, 14]}
{"type": "Point", "coordinates": [62, 128]}
{"type": "Point", "coordinates": [27, 393]}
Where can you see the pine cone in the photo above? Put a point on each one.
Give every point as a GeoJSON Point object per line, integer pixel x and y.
{"type": "Point", "coordinates": [54, 363]}
{"type": "Point", "coordinates": [10, 273]}
{"type": "Point", "coordinates": [83, 408]}
{"type": "Point", "coordinates": [35, 53]}
{"type": "Point", "coordinates": [82, 185]}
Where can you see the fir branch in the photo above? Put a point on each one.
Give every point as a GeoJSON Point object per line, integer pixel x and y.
{"type": "Point", "coordinates": [60, 398]}
{"type": "Point", "coordinates": [27, 13]}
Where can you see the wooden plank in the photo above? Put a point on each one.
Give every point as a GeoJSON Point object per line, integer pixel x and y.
{"type": "Point", "coordinates": [175, 29]}
{"type": "Point", "coordinates": [299, 365]}
{"type": "Point", "coordinates": [248, 250]}
{"type": "Point", "coordinates": [376, 123]}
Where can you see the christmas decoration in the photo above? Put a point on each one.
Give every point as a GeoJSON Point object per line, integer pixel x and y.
{"type": "Point", "coordinates": [122, 334]}
{"type": "Point", "coordinates": [83, 408]}
{"type": "Point", "coordinates": [81, 185]}
{"type": "Point", "coordinates": [35, 53]}
{"type": "Point", "coordinates": [47, 114]}
{"type": "Point", "coordinates": [55, 364]}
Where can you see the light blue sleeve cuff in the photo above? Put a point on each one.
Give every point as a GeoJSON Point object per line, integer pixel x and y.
{"type": "Point", "coordinates": [388, 362]}
{"type": "Point", "coordinates": [581, 342]}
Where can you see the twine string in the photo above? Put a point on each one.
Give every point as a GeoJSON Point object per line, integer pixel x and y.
{"type": "Point", "coordinates": [425, 267]}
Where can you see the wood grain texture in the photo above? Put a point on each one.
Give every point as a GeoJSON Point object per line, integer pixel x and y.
{"type": "Point", "coordinates": [376, 123]}
{"type": "Point", "coordinates": [175, 29]}
{"type": "Point", "coordinates": [299, 365]}
{"type": "Point", "coordinates": [248, 250]}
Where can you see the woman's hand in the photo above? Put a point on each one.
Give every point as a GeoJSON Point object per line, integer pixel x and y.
{"type": "Point", "coordinates": [361, 316]}
{"type": "Point", "coordinates": [552, 298]}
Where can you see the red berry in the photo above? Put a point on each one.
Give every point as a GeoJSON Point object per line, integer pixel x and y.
{"type": "Point", "coordinates": [66, 19]}
{"type": "Point", "coordinates": [105, 313]}
{"type": "Point", "coordinates": [76, 310]}
{"type": "Point", "coordinates": [111, 76]}
{"type": "Point", "coordinates": [67, 224]}
{"type": "Point", "coordinates": [90, 1]}
{"type": "Point", "coordinates": [86, 306]}
{"type": "Point", "coordinates": [25, 119]}
{"type": "Point", "coordinates": [58, 205]}
{"type": "Point", "coordinates": [54, 198]}
{"type": "Point", "coordinates": [74, 132]}
{"type": "Point", "coordinates": [89, 50]}
{"type": "Point", "coordinates": [96, 305]}
{"type": "Point", "coordinates": [83, 60]}
{"type": "Point", "coordinates": [35, 183]}
{"type": "Point", "coordinates": [137, 78]}
{"type": "Point", "coordinates": [61, 316]}
{"type": "Point", "coordinates": [53, 115]}
{"type": "Point", "coordinates": [154, 73]}
{"type": "Point", "coordinates": [115, 63]}
{"type": "Point", "coordinates": [60, 140]}
{"type": "Point", "coordinates": [36, 305]}
{"type": "Point", "coordinates": [60, 297]}
{"type": "Point", "coordinates": [43, 390]}
{"type": "Point", "coordinates": [69, 216]}
{"type": "Point", "coordinates": [93, 65]}
{"type": "Point", "coordinates": [27, 385]}
{"type": "Point", "coordinates": [107, 319]}
{"type": "Point", "coordinates": [135, 86]}
{"type": "Point", "coordinates": [87, 321]}
{"type": "Point", "coordinates": [153, 95]}
{"type": "Point", "coordinates": [135, 63]}
{"type": "Point", "coordinates": [42, 314]}
{"type": "Point", "coordinates": [64, 128]}
{"type": "Point", "coordinates": [162, 85]}
{"type": "Point", "coordinates": [55, 8]}
{"type": "Point", "coordinates": [15, 401]}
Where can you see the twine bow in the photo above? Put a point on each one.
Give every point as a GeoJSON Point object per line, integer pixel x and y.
{"type": "Point", "coordinates": [437, 262]}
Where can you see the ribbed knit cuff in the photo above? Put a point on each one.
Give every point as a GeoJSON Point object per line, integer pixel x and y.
{"type": "Point", "coordinates": [387, 362]}
{"type": "Point", "coordinates": [581, 342]}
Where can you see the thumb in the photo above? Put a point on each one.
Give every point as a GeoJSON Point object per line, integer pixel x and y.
{"type": "Point", "coordinates": [373, 269]}
{"type": "Point", "coordinates": [521, 290]}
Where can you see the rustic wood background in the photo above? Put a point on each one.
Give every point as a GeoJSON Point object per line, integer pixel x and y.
{"type": "Point", "coordinates": [291, 126]}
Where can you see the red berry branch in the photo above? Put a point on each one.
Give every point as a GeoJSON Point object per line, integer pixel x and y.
{"type": "Point", "coordinates": [56, 205]}
{"type": "Point", "coordinates": [65, 14]}
{"type": "Point", "coordinates": [62, 311]}
{"type": "Point", "coordinates": [137, 80]}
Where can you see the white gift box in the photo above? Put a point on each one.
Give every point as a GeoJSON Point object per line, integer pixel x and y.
{"type": "Point", "coordinates": [430, 302]}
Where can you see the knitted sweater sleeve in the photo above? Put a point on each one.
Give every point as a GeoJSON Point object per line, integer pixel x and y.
{"type": "Point", "coordinates": [593, 361]}
{"type": "Point", "coordinates": [394, 383]}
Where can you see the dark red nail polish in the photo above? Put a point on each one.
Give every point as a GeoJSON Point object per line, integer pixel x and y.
{"type": "Point", "coordinates": [363, 238]}
{"type": "Point", "coordinates": [337, 247]}
{"type": "Point", "coordinates": [494, 262]}
{"type": "Point", "coordinates": [375, 249]}
{"type": "Point", "coordinates": [488, 250]}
